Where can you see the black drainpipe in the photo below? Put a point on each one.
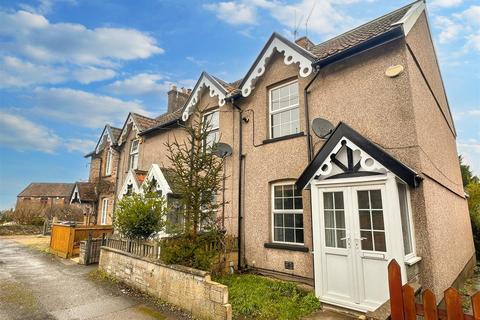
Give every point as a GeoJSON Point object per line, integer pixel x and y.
{"type": "Point", "coordinates": [240, 160]}
{"type": "Point", "coordinates": [309, 150]}
{"type": "Point", "coordinates": [307, 116]}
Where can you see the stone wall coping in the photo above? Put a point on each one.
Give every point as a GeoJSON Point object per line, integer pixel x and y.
{"type": "Point", "coordinates": [192, 271]}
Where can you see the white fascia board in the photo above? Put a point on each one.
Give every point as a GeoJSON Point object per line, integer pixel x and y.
{"type": "Point", "coordinates": [205, 82]}
{"type": "Point", "coordinates": [129, 179]}
{"type": "Point", "coordinates": [131, 120]}
{"type": "Point", "coordinates": [291, 55]}
{"type": "Point", "coordinates": [156, 172]}
{"type": "Point", "coordinates": [409, 19]}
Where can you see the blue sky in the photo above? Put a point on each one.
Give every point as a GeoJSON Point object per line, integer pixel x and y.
{"type": "Point", "coordinates": [69, 66]}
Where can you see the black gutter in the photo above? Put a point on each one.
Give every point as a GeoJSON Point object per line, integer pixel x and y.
{"type": "Point", "coordinates": [393, 34]}
{"type": "Point", "coordinates": [240, 160]}
{"type": "Point", "coordinates": [160, 127]}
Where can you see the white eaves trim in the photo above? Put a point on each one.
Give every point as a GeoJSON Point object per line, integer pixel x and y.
{"type": "Point", "coordinates": [215, 89]}
{"type": "Point", "coordinates": [291, 55]}
{"type": "Point", "coordinates": [106, 134]}
{"type": "Point", "coordinates": [409, 19]}
{"type": "Point", "coordinates": [75, 192]}
{"type": "Point", "coordinates": [131, 178]}
{"type": "Point", "coordinates": [162, 184]}
{"type": "Point", "coordinates": [130, 120]}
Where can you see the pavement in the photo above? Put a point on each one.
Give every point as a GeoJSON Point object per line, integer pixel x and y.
{"type": "Point", "coordinates": [38, 286]}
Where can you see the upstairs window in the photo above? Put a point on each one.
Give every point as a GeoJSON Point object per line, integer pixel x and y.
{"type": "Point", "coordinates": [284, 113]}
{"type": "Point", "coordinates": [108, 164]}
{"type": "Point", "coordinates": [212, 121]}
{"type": "Point", "coordinates": [133, 159]}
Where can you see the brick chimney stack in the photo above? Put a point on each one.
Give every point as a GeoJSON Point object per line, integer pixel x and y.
{"type": "Point", "coordinates": [177, 98]}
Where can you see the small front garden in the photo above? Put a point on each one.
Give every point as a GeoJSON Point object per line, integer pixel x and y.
{"type": "Point", "coordinates": [257, 297]}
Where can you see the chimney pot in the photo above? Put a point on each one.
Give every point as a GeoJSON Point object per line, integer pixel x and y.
{"type": "Point", "coordinates": [174, 87]}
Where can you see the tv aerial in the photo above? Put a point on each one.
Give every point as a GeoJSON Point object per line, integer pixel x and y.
{"type": "Point", "coordinates": [322, 128]}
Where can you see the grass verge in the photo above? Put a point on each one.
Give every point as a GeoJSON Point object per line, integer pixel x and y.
{"type": "Point", "coordinates": [257, 297]}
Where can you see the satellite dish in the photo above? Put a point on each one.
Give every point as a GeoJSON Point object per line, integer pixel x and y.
{"type": "Point", "coordinates": [322, 128]}
{"type": "Point", "coordinates": [222, 150]}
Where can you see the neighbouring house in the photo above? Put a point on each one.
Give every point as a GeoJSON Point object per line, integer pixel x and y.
{"type": "Point", "coordinates": [104, 165]}
{"type": "Point", "coordinates": [45, 195]}
{"type": "Point", "coordinates": [326, 207]}
{"type": "Point", "coordinates": [84, 197]}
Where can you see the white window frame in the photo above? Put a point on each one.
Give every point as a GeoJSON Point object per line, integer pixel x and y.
{"type": "Point", "coordinates": [283, 211]}
{"type": "Point", "coordinates": [271, 112]}
{"type": "Point", "coordinates": [412, 256]}
{"type": "Point", "coordinates": [104, 211]}
{"type": "Point", "coordinates": [133, 154]}
{"type": "Point", "coordinates": [212, 128]}
{"type": "Point", "coordinates": [108, 165]}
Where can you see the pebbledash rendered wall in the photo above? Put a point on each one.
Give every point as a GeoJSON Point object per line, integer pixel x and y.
{"type": "Point", "coordinates": [187, 288]}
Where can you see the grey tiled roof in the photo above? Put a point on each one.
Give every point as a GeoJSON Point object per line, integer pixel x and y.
{"type": "Point", "coordinates": [86, 191]}
{"type": "Point", "coordinates": [143, 123]}
{"type": "Point", "coordinates": [45, 189]}
{"type": "Point", "coordinates": [360, 34]}
{"type": "Point", "coordinates": [116, 133]}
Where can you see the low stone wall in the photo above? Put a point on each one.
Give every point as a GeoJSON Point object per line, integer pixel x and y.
{"type": "Point", "coordinates": [190, 289]}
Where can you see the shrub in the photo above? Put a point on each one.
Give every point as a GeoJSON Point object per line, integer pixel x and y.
{"type": "Point", "coordinates": [27, 215]}
{"type": "Point", "coordinates": [139, 216]}
{"type": "Point", "coordinates": [191, 251]}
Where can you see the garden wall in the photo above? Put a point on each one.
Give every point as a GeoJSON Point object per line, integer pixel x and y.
{"type": "Point", "coordinates": [188, 288]}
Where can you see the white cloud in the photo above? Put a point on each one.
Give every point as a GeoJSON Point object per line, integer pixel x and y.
{"type": "Point", "coordinates": [470, 151]}
{"type": "Point", "coordinates": [22, 134]}
{"type": "Point", "coordinates": [142, 83]}
{"type": "Point", "coordinates": [445, 3]}
{"type": "Point", "coordinates": [92, 74]}
{"type": "Point", "coordinates": [235, 13]}
{"type": "Point", "coordinates": [80, 145]}
{"type": "Point", "coordinates": [82, 108]}
{"type": "Point", "coordinates": [326, 17]}
{"type": "Point", "coordinates": [449, 29]}
{"type": "Point", "coordinates": [147, 83]}
{"type": "Point", "coordinates": [32, 35]}
{"type": "Point", "coordinates": [196, 61]}
{"type": "Point", "coordinates": [17, 73]}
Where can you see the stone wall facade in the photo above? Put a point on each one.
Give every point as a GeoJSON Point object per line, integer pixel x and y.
{"type": "Point", "coordinates": [190, 289]}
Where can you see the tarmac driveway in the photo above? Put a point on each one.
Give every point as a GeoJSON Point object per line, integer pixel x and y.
{"type": "Point", "coordinates": [35, 286]}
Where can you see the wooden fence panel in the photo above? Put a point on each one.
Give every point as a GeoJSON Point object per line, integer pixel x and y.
{"type": "Point", "coordinates": [429, 305]}
{"type": "Point", "coordinates": [409, 303]}
{"type": "Point", "coordinates": [476, 306]}
{"type": "Point", "coordinates": [403, 306]}
{"type": "Point", "coordinates": [395, 288]}
{"type": "Point", "coordinates": [453, 304]}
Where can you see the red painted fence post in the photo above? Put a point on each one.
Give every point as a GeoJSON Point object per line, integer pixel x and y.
{"type": "Point", "coordinates": [395, 289]}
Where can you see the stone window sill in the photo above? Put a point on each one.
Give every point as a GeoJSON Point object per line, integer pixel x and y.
{"type": "Point", "coordinates": [290, 136]}
{"type": "Point", "coordinates": [285, 246]}
{"type": "Point", "coordinates": [413, 260]}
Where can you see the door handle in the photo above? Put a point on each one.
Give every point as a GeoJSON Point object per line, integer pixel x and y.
{"type": "Point", "coordinates": [348, 241]}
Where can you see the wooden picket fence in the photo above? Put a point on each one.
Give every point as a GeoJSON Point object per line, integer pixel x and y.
{"type": "Point", "coordinates": [404, 307]}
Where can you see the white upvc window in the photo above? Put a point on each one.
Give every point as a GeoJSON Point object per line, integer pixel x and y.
{"type": "Point", "coordinates": [133, 159]}
{"type": "Point", "coordinates": [212, 120]}
{"type": "Point", "coordinates": [284, 110]}
{"type": "Point", "coordinates": [108, 165]}
{"type": "Point", "coordinates": [104, 210]}
{"type": "Point", "coordinates": [407, 223]}
{"type": "Point", "coordinates": [287, 214]}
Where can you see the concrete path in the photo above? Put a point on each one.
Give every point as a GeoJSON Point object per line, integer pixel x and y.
{"type": "Point", "coordinates": [36, 286]}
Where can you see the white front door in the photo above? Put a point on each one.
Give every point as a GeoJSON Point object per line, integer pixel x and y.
{"type": "Point", "coordinates": [354, 246]}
